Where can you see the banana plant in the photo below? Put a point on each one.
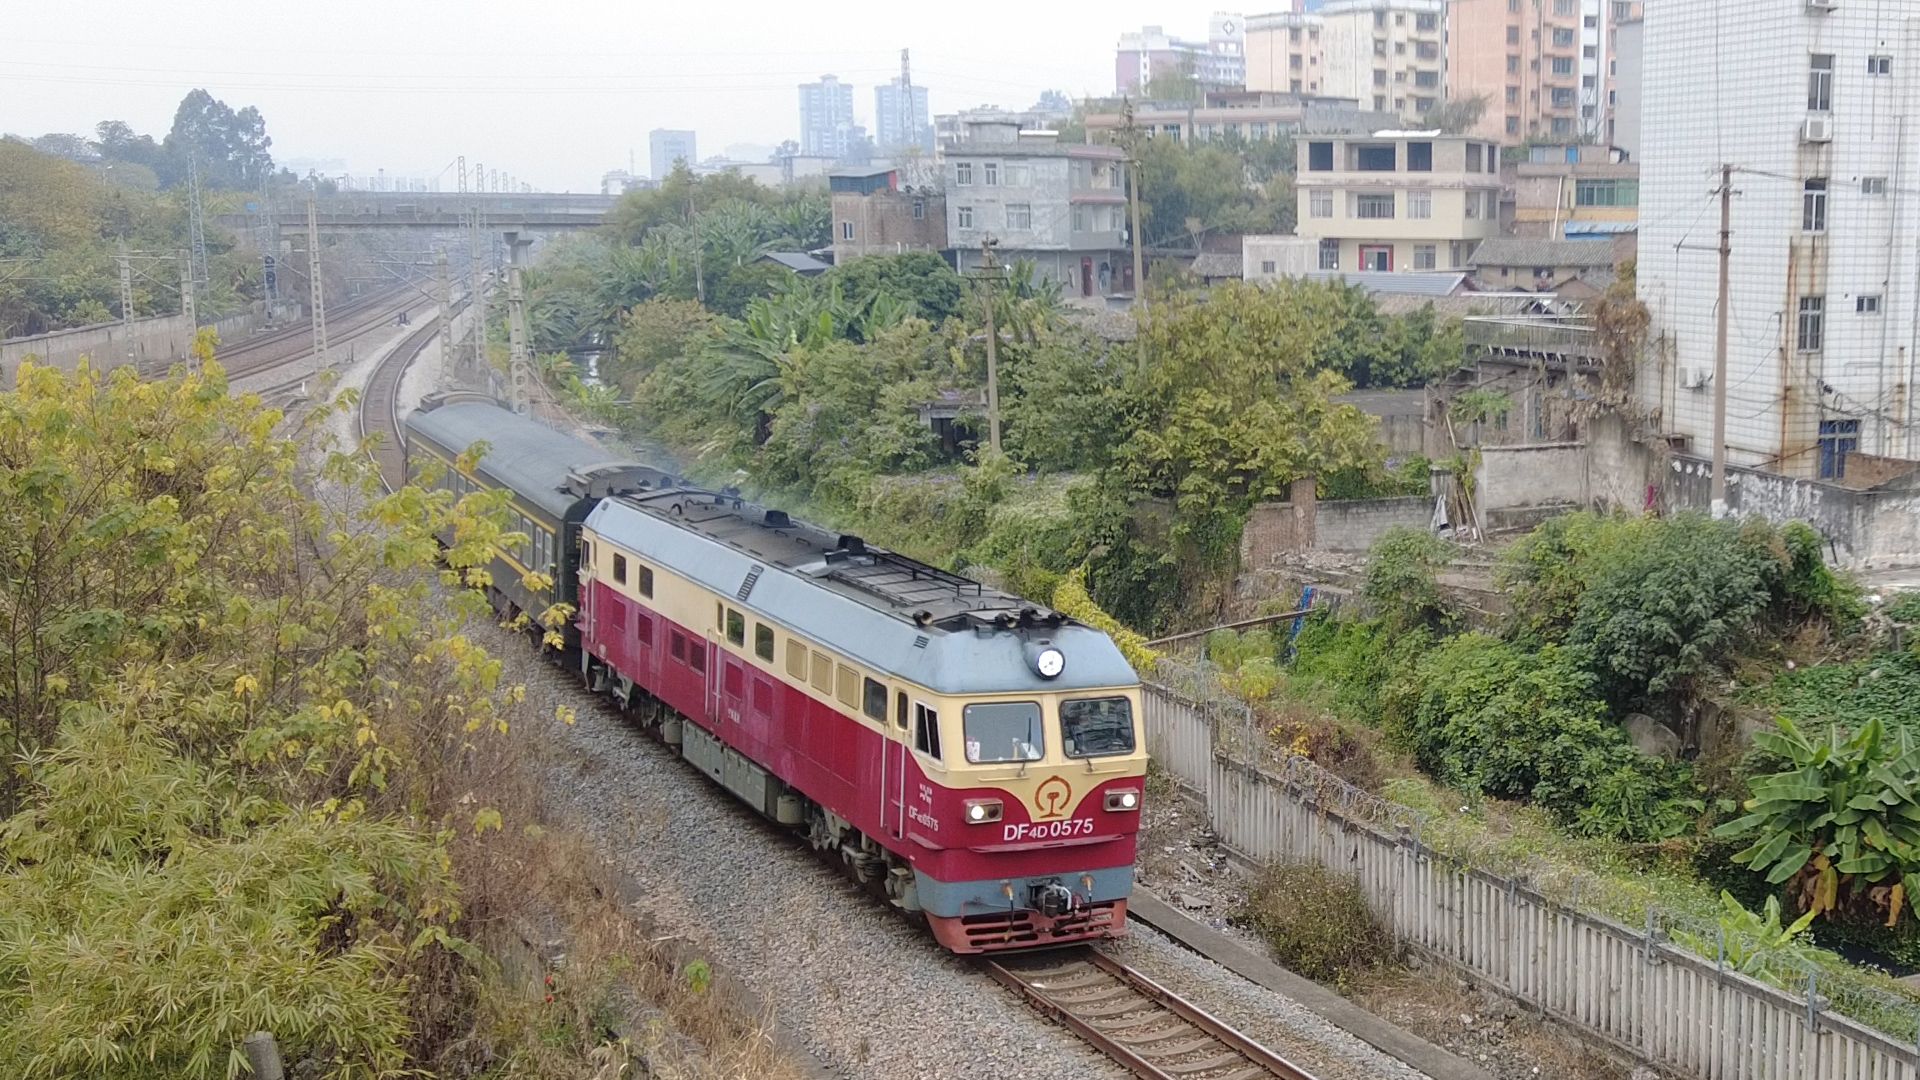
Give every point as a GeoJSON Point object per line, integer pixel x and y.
{"type": "Point", "coordinates": [1842, 818]}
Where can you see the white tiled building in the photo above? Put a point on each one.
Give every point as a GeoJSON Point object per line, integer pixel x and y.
{"type": "Point", "coordinates": [1808, 99]}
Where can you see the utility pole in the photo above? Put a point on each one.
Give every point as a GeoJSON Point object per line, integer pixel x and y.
{"type": "Point", "coordinates": [196, 218]}
{"type": "Point", "coordinates": [126, 298]}
{"type": "Point", "coordinates": [990, 272]}
{"type": "Point", "coordinates": [520, 365]}
{"type": "Point", "coordinates": [317, 291]}
{"type": "Point", "coordinates": [477, 303]}
{"type": "Point", "coordinates": [1132, 135]}
{"type": "Point", "coordinates": [445, 283]}
{"type": "Point", "coordinates": [699, 250]}
{"type": "Point", "coordinates": [185, 259]}
{"type": "Point", "coordinates": [1719, 490]}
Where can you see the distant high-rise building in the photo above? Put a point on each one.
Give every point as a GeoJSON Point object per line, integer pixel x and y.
{"type": "Point", "coordinates": [1218, 63]}
{"type": "Point", "coordinates": [901, 117]}
{"type": "Point", "coordinates": [826, 117]}
{"type": "Point", "coordinates": [666, 146]}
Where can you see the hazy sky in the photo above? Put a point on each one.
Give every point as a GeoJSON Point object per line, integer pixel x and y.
{"type": "Point", "coordinates": [554, 91]}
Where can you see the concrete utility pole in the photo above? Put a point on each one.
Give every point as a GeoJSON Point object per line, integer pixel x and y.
{"type": "Point", "coordinates": [1133, 203]}
{"type": "Point", "coordinates": [699, 249]}
{"type": "Point", "coordinates": [317, 291]}
{"type": "Point", "coordinates": [1718, 503]}
{"type": "Point", "coordinates": [991, 271]}
{"type": "Point", "coordinates": [185, 259]}
{"type": "Point", "coordinates": [445, 283]}
{"type": "Point", "coordinates": [126, 298]}
{"type": "Point", "coordinates": [477, 303]}
{"type": "Point", "coordinates": [519, 362]}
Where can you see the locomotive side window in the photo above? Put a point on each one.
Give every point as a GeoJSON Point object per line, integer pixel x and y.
{"type": "Point", "coordinates": [796, 660]}
{"type": "Point", "coordinates": [900, 710]}
{"type": "Point", "coordinates": [1001, 731]}
{"type": "Point", "coordinates": [876, 700]}
{"type": "Point", "coordinates": [646, 581]}
{"type": "Point", "coordinates": [620, 569]}
{"type": "Point", "coordinates": [926, 730]}
{"type": "Point", "coordinates": [847, 687]}
{"type": "Point", "coordinates": [734, 681]}
{"type": "Point", "coordinates": [643, 629]}
{"type": "Point", "coordinates": [763, 641]}
{"type": "Point", "coordinates": [679, 647]}
{"type": "Point", "coordinates": [1096, 727]}
{"type": "Point", "coordinates": [736, 628]}
{"type": "Point", "coordinates": [822, 672]}
{"type": "Point", "coordinates": [697, 656]}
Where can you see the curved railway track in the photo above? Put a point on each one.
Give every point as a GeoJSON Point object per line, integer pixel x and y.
{"type": "Point", "coordinates": [268, 351]}
{"type": "Point", "coordinates": [380, 404]}
{"type": "Point", "coordinates": [1143, 1026]}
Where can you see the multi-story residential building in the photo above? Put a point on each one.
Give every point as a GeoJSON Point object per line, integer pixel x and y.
{"type": "Point", "coordinates": [1806, 100]}
{"type": "Point", "coordinates": [1247, 114]}
{"type": "Point", "coordinates": [874, 213]}
{"type": "Point", "coordinates": [665, 147]}
{"type": "Point", "coordinates": [1573, 192]}
{"type": "Point", "coordinates": [1624, 86]}
{"type": "Point", "coordinates": [1063, 206]}
{"type": "Point", "coordinates": [1284, 52]}
{"type": "Point", "coordinates": [826, 117]}
{"type": "Point", "coordinates": [1390, 55]}
{"type": "Point", "coordinates": [900, 117]}
{"type": "Point", "coordinates": [1526, 60]}
{"type": "Point", "coordinates": [1397, 200]}
{"type": "Point", "coordinates": [1218, 63]}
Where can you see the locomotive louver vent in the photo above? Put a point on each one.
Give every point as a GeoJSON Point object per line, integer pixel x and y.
{"type": "Point", "coordinates": [920, 641]}
{"type": "Point", "coordinates": [746, 587]}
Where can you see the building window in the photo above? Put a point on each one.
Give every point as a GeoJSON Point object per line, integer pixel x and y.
{"type": "Point", "coordinates": [963, 217]}
{"type": "Point", "coordinates": [1019, 176]}
{"type": "Point", "coordinates": [1513, 64]}
{"type": "Point", "coordinates": [1879, 65]}
{"type": "Point", "coordinates": [1813, 206]}
{"type": "Point", "coordinates": [1379, 76]}
{"type": "Point", "coordinates": [1419, 204]}
{"type": "Point", "coordinates": [1813, 323]}
{"type": "Point", "coordinates": [1562, 97]}
{"type": "Point", "coordinates": [846, 230]}
{"type": "Point", "coordinates": [1319, 157]}
{"type": "Point", "coordinates": [1866, 305]}
{"type": "Point", "coordinates": [1373, 206]}
{"type": "Point", "coordinates": [1425, 256]}
{"type": "Point", "coordinates": [1082, 218]}
{"type": "Point", "coordinates": [963, 173]}
{"type": "Point", "coordinates": [1019, 215]}
{"type": "Point", "coordinates": [1513, 35]}
{"type": "Point", "coordinates": [1563, 65]}
{"type": "Point", "coordinates": [990, 174]}
{"type": "Point", "coordinates": [1329, 254]}
{"type": "Point", "coordinates": [1513, 95]}
{"type": "Point", "coordinates": [1621, 193]}
{"type": "Point", "coordinates": [1820, 83]}
{"type": "Point", "coordinates": [1563, 37]}
{"type": "Point", "coordinates": [1564, 8]}
{"type": "Point", "coordinates": [919, 209]}
{"type": "Point", "coordinates": [1473, 205]}
{"type": "Point", "coordinates": [1268, 266]}
{"type": "Point", "coordinates": [1873, 185]}
{"type": "Point", "coordinates": [1513, 125]}
{"type": "Point", "coordinates": [1257, 129]}
{"type": "Point", "coordinates": [1473, 157]}
{"type": "Point", "coordinates": [1838, 438]}
{"type": "Point", "coordinates": [1320, 203]}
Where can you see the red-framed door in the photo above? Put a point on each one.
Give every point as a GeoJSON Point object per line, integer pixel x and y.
{"type": "Point", "coordinates": [1376, 257]}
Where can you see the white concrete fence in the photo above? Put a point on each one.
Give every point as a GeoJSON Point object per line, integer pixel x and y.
{"type": "Point", "coordinates": [1634, 989]}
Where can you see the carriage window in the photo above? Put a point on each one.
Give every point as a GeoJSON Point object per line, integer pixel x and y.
{"type": "Point", "coordinates": [926, 731]}
{"type": "Point", "coordinates": [646, 581]}
{"type": "Point", "coordinates": [643, 629]}
{"type": "Point", "coordinates": [796, 660]}
{"type": "Point", "coordinates": [900, 710]}
{"type": "Point", "coordinates": [822, 672]}
{"type": "Point", "coordinates": [1096, 727]}
{"type": "Point", "coordinates": [1004, 731]}
{"type": "Point", "coordinates": [763, 641]}
{"type": "Point", "coordinates": [847, 687]}
{"type": "Point", "coordinates": [736, 628]}
{"type": "Point", "coordinates": [876, 700]}
{"type": "Point", "coordinates": [620, 569]}
{"type": "Point", "coordinates": [679, 647]}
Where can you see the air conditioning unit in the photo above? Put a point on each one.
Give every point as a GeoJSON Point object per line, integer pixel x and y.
{"type": "Point", "coordinates": [1817, 129]}
{"type": "Point", "coordinates": [1693, 376]}
{"type": "Point", "coordinates": [1820, 7]}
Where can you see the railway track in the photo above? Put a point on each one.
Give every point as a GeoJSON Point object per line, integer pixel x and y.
{"type": "Point", "coordinates": [268, 351]}
{"type": "Point", "coordinates": [380, 404]}
{"type": "Point", "coordinates": [1143, 1026]}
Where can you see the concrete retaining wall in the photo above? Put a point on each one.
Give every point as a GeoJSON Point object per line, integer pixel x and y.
{"type": "Point", "coordinates": [1862, 528]}
{"type": "Point", "coordinates": [160, 339]}
{"type": "Point", "coordinates": [1531, 474]}
{"type": "Point", "coordinates": [1354, 524]}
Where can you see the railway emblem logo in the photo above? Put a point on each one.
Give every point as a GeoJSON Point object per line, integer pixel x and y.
{"type": "Point", "coordinates": [1054, 797]}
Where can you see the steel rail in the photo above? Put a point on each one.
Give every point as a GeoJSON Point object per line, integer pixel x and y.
{"type": "Point", "coordinates": [1145, 1027]}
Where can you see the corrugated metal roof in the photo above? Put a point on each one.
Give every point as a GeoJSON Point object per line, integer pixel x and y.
{"type": "Point", "coordinates": [798, 261]}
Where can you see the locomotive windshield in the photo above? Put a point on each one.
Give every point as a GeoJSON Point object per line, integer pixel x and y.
{"type": "Point", "coordinates": [1004, 731]}
{"type": "Point", "coordinates": [1096, 727]}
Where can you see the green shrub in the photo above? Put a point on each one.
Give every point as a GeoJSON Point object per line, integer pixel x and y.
{"type": "Point", "coordinates": [1355, 659]}
{"type": "Point", "coordinates": [1904, 608]}
{"type": "Point", "coordinates": [1317, 922]}
{"type": "Point", "coordinates": [1402, 578]}
{"type": "Point", "coordinates": [1811, 588]}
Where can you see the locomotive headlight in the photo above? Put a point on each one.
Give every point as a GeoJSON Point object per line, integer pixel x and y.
{"type": "Point", "coordinates": [1046, 661]}
{"type": "Point", "coordinates": [981, 811]}
{"type": "Point", "coordinates": [1123, 799]}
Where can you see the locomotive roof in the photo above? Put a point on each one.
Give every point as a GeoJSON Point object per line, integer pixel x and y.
{"type": "Point", "coordinates": [523, 454]}
{"type": "Point", "coordinates": [943, 632]}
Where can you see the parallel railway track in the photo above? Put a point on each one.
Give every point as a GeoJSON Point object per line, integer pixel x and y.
{"type": "Point", "coordinates": [380, 404]}
{"type": "Point", "coordinates": [268, 351]}
{"type": "Point", "coordinates": [1145, 1027]}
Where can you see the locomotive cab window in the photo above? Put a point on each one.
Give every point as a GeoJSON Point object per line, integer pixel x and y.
{"type": "Point", "coordinates": [620, 569]}
{"type": "Point", "coordinates": [1096, 727]}
{"type": "Point", "coordinates": [900, 710]}
{"type": "Point", "coordinates": [1003, 731]}
{"type": "Point", "coordinates": [736, 628]}
{"type": "Point", "coordinates": [926, 731]}
{"type": "Point", "coordinates": [763, 641]}
{"type": "Point", "coordinates": [875, 704]}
